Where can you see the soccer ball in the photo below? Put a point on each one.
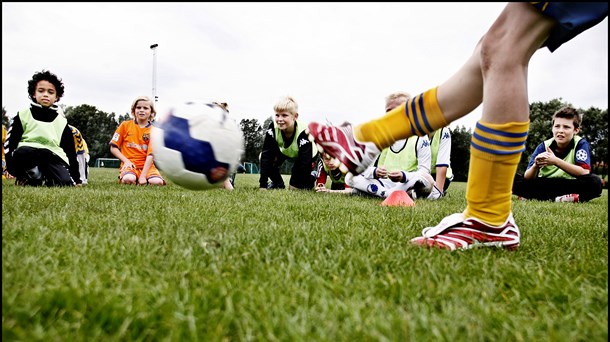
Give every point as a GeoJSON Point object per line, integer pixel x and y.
{"type": "Point", "coordinates": [197, 145]}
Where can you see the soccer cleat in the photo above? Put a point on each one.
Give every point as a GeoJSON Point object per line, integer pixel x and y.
{"type": "Point", "coordinates": [567, 198]}
{"type": "Point", "coordinates": [456, 232]}
{"type": "Point", "coordinates": [339, 142]}
{"type": "Point", "coordinates": [398, 198]}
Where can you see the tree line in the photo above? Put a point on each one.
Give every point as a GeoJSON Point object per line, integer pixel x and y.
{"type": "Point", "coordinates": [97, 128]}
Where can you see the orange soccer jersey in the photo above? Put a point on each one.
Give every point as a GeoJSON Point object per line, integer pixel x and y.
{"type": "Point", "coordinates": [133, 141]}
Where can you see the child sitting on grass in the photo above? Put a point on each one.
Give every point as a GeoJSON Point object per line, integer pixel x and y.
{"type": "Point", "coordinates": [40, 146]}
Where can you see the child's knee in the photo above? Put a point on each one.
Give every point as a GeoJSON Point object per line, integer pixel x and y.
{"type": "Point", "coordinates": [128, 179]}
{"type": "Point", "coordinates": [156, 181]}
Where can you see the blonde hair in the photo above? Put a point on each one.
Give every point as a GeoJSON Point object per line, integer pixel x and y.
{"type": "Point", "coordinates": [286, 104]}
{"type": "Point", "coordinates": [153, 112]}
{"type": "Point", "coordinates": [399, 95]}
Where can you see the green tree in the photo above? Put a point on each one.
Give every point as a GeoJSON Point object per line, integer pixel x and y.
{"type": "Point", "coordinates": [124, 117]}
{"type": "Point", "coordinates": [460, 153]}
{"type": "Point", "coordinates": [253, 139]}
{"type": "Point", "coordinates": [268, 121]}
{"type": "Point", "coordinates": [96, 127]}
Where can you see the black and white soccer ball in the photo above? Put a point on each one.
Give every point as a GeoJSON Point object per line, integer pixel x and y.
{"type": "Point", "coordinates": [197, 145]}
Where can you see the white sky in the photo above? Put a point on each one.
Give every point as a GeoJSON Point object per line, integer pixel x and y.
{"type": "Point", "coordinates": [338, 60]}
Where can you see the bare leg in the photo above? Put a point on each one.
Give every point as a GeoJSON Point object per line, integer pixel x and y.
{"type": "Point", "coordinates": [500, 135]}
{"type": "Point", "coordinates": [499, 138]}
{"type": "Point", "coordinates": [463, 92]}
{"type": "Point", "coordinates": [506, 50]}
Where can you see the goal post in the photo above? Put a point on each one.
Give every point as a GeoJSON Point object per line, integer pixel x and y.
{"type": "Point", "coordinates": [108, 162]}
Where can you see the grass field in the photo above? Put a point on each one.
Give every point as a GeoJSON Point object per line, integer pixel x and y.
{"type": "Point", "coordinates": [122, 263]}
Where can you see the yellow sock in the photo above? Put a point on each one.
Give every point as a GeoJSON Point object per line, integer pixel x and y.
{"type": "Point", "coordinates": [418, 116]}
{"type": "Point", "coordinates": [495, 152]}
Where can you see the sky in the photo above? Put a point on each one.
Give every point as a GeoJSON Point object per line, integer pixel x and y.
{"type": "Point", "coordinates": [338, 60]}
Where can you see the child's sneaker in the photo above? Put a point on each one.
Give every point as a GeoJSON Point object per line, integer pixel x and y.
{"type": "Point", "coordinates": [567, 198]}
{"type": "Point", "coordinates": [456, 232]}
{"type": "Point", "coordinates": [339, 142]}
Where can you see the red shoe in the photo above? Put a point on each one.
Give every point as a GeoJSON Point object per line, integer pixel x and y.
{"type": "Point", "coordinates": [456, 232]}
{"type": "Point", "coordinates": [398, 198]}
{"type": "Point", "coordinates": [339, 142]}
{"type": "Point", "coordinates": [567, 198]}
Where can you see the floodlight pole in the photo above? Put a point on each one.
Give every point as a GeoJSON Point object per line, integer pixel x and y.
{"type": "Point", "coordinates": [154, 75]}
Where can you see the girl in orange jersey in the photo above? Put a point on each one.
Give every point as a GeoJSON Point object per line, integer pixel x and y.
{"type": "Point", "coordinates": [131, 145]}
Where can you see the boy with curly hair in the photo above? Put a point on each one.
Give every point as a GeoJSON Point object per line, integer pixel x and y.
{"type": "Point", "coordinates": [40, 145]}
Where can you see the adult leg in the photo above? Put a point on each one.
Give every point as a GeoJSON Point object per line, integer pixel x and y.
{"type": "Point", "coordinates": [499, 137]}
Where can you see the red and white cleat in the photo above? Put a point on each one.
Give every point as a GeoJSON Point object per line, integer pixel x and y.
{"type": "Point", "coordinates": [339, 142]}
{"type": "Point", "coordinates": [456, 232]}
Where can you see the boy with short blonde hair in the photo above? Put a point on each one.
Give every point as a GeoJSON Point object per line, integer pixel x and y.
{"type": "Point", "coordinates": [286, 138]}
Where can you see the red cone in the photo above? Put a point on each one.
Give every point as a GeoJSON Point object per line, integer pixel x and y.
{"type": "Point", "coordinates": [398, 198]}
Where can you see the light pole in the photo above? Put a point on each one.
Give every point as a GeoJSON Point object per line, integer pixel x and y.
{"type": "Point", "coordinates": [154, 75]}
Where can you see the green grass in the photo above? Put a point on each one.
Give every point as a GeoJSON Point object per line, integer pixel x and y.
{"type": "Point", "coordinates": [122, 263]}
